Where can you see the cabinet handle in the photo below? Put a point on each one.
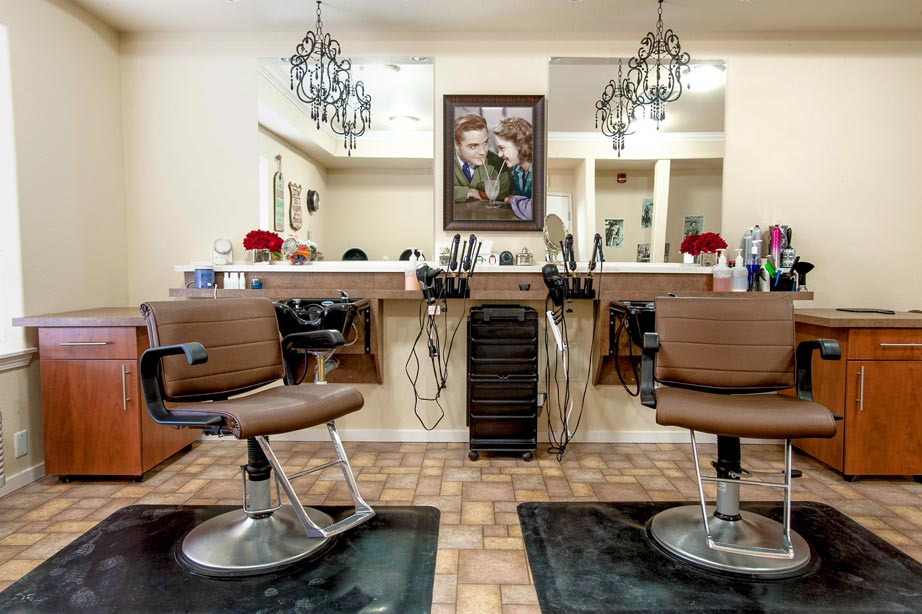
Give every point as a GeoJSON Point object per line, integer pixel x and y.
{"type": "Point", "coordinates": [901, 345]}
{"type": "Point", "coordinates": [80, 343]}
{"type": "Point", "coordinates": [125, 398]}
{"type": "Point", "coordinates": [860, 398]}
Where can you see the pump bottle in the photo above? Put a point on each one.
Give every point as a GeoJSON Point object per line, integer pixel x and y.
{"type": "Point", "coordinates": [721, 273]}
{"type": "Point", "coordinates": [739, 276]}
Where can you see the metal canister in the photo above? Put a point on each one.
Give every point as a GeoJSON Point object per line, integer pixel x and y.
{"type": "Point", "coordinates": [524, 258]}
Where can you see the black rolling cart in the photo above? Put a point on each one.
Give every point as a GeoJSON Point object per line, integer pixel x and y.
{"type": "Point", "coordinates": [502, 379]}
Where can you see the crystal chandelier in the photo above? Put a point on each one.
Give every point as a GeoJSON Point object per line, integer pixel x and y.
{"type": "Point", "coordinates": [654, 78]}
{"type": "Point", "coordinates": [614, 112]}
{"type": "Point", "coordinates": [323, 80]}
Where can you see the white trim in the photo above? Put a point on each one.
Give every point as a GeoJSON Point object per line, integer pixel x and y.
{"type": "Point", "coordinates": [23, 478]}
{"type": "Point", "coordinates": [16, 359]}
{"type": "Point", "coordinates": [589, 137]}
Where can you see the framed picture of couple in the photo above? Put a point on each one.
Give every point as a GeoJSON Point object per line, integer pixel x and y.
{"type": "Point", "coordinates": [494, 163]}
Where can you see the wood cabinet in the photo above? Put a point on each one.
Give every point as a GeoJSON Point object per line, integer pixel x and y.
{"type": "Point", "coordinates": [875, 387]}
{"type": "Point", "coordinates": [94, 418]}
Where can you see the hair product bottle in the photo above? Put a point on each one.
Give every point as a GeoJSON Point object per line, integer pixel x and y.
{"type": "Point", "coordinates": [739, 276]}
{"type": "Point", "coordinates": [721, 274]}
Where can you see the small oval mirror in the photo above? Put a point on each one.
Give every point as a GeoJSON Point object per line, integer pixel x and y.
{"type": "Point", "coordinates": [555, 233]}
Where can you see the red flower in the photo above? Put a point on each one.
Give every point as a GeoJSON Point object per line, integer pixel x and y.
{"type": "Point", "coordinates": [705, 242]}
{"type": "Point", "coordinates": [262, 239]}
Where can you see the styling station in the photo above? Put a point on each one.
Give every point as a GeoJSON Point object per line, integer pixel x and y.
{"type": "Point", "coordinates": [524, 307]}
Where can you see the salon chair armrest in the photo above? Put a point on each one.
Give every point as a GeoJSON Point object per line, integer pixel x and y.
{"type": "Point", "coordinates": [316, 340]}
{"type": "Point", "coordinates": [647, 383]}
{"type": "Point", "coordinates": [829, 350]}
{"type": "Point", "coordinates": [149, 368]}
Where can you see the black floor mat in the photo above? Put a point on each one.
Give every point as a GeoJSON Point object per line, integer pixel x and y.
{"type": "Point", "coordinates": [126, 564]}
{"type": "Point", "coordinates": [596, 557]}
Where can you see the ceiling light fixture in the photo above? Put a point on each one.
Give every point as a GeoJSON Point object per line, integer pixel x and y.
{"type": "Point", "coordinates": [323, 80]}
{"type": "Point", "coordinates": [654, 78]}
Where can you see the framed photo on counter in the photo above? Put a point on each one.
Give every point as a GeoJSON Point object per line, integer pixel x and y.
{"type": "Point", "coordinates": [494, 163]}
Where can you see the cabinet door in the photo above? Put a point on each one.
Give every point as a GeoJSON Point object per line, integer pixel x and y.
{"type": "Point", "coordinates": [883, 433]}
{"type": "Point", "coordinates": [91, 418]}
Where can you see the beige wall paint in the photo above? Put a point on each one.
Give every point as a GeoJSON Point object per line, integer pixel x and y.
{"type": "Point", "coordinates": [382, 211]}
{"type": "Point", "coordinates": [695, 192]}
{"type": "Point", "coordinates": [623, 201]}
{"type": "Point", "coordinates": [190, 157]}
{"type": "Point", "coordinates": [67, 121]}
{"type": "Point", "coordinates": [299, 168]}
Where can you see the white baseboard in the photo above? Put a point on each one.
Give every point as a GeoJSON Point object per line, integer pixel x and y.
{"type": "Point", "coordinates": [462, 435]}
{"type": "Point", "coordinates": [23, 478]}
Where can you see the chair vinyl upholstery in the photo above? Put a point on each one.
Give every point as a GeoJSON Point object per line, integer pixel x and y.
{"type": "Point", "coordinates": [715, 352]}
{"type": "Point", "coordinates": [242, 339]}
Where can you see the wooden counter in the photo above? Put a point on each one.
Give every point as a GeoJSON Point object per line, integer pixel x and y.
{"type": "Point", "coordinates": [94, 421]}
{"type": "Point", "coordinates": [875, 386]}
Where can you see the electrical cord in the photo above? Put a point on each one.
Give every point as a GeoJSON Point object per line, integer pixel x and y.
{"type": "Point", "coordinates": [559, 445]}
{"type": "Point", "coordinates": [622, 326]}
{"type": "Point", "coordinates": [439, 360]}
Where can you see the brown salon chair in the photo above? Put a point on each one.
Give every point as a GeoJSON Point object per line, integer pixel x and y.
{"type": "Point", "coordinates": [717, 360]}
{"type": "Point", "coordinates": [204, 354]}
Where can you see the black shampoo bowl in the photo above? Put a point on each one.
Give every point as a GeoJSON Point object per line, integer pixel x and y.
{"type": "Point", "coordinates": [308, 314]}
{"type": "Point", "coordinates": [300, 315]}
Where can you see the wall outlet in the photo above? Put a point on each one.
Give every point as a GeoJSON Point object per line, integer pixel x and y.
{"type": "Point", "coordinates": [21, 443]}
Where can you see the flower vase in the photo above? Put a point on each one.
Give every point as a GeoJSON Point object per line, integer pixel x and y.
{"type": "Point", "coordinates": [708, 258]}
{"type": "Point", "coordinates": [261, 256]}
{"type": "Point", "coordinates": [688, 259]}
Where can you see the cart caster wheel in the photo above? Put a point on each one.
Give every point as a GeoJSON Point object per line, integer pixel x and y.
{"type": "Point", "coordinates": [527, 457]}
{"type": "Point", "coordinates": [849, 478]}
{"type": "Point", "coordinates": [473, 455]}
{"type": "Point", "coordinates": [917, 478]}
{"type": "Point", "coordinates": [65, 479]}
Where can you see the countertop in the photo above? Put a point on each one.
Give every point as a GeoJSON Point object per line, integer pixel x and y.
{"type": "Point", "coordinates": [102, 316]}
{"type": "Point", "coordinates": [402, 266]}
{"type": "Point", "coordinates": [846, 319]}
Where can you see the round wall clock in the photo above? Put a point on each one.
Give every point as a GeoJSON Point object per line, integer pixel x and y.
{"type": "Point", "coordinates": [222, 252]}
{"type": "Point", "coordinates": [313, 201]}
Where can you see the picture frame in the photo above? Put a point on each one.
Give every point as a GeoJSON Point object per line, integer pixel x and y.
{"type": "Point", "coordinates": [492, 153]}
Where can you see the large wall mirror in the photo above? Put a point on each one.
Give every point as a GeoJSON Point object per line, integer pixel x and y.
{"type": "Point", "coordinates": [378, 199]}
{"type": "Point", "coordinates": [664, 184]}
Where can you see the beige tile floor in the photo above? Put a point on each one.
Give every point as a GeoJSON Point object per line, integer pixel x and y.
{"type": "Point", "coordinates": [481, 565]}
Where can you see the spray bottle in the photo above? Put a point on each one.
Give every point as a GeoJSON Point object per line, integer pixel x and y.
{"type": "Point", "coordinates": [739, 276]}
{"type": "Point", "coordinates": [757, 236]}
{"type": "Point", "coordinates": [721, 273]}
{"type": "Point", "coordinates": [755, 264]}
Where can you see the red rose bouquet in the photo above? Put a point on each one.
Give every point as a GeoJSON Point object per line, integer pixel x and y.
{"type": "Point", "coordinates": [708, 242]}
{"type": "Point", "coordinates": [262, 239]}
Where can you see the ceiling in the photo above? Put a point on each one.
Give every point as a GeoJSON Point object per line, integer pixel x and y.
{"type": "Point", "coordinates": [718, 16]}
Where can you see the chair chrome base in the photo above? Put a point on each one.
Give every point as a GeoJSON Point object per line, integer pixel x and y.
{"type": "Point", "coordinates": [234, 544]}
{"type": "Point", "coordinates": [680, 531]}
